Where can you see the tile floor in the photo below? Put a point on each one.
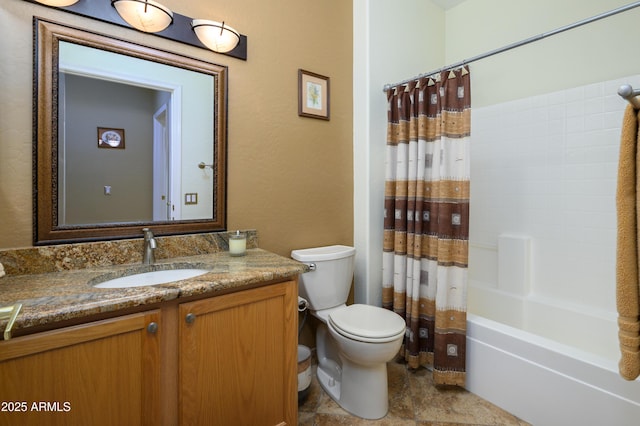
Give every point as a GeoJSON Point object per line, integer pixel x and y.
{"type": "Point", "coordinates": [413, 400]}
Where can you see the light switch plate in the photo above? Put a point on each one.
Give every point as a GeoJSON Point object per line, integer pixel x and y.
{"type": "Point", "coordinates": [191, 198]}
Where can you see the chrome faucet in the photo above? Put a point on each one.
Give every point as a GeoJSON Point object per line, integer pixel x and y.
{"type": "Point", "coordinates": [150, 245]}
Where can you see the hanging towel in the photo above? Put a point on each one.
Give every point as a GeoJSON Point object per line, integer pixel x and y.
{"type": "Point", "coordinates": [627, 284]}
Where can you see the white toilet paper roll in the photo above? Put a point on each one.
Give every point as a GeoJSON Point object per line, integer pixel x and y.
{"type": "Point", "coordinates": [302, 304]}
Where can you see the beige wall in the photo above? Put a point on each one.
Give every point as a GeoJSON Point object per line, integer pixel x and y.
{"type": "Point", "coordinates": [288, 177]}
{"type": "Point", "coordinates": [595, 52]}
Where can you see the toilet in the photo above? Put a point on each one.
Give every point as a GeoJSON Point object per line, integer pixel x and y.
{"type": "Point", "coordinates": [353, 343]}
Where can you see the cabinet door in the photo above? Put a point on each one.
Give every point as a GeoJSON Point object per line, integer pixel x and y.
{"type": "Point", "coordinates": [238, 358]}
{"type": "Point", "coordinates": [101, 373]}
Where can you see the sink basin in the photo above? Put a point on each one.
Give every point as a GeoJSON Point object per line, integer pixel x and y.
{"type": "Point", "coordinates": [152, 278]}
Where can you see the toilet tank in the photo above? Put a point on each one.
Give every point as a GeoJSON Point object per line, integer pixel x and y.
{"type": "Point", "coordinates": [328, 283]}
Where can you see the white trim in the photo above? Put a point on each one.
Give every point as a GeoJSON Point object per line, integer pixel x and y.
{"type": "Point", "coordinates": [175, 152]}
{"type": "Point", "coordinates": [161, 171]}
{"type": "Point", "coordinates": [367, 215]}
{"type": "Point", "coordinates": [118, 77]}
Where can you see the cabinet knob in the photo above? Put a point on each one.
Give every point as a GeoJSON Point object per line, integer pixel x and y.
{"type": "Point", "coordinates": [152, 327]}
{"type": "Point", "coordinates": [190, 318]}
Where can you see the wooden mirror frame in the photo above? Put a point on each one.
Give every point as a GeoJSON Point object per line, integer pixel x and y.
{"type": "Point", "coordinates": [47, 35]}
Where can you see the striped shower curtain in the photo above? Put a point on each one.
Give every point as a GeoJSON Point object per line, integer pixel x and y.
{"type": "Point", "coordinates": [426, 222]}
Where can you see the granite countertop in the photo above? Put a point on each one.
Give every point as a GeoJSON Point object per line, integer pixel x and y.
{"type": "Point", "coordinates": [53, 297]}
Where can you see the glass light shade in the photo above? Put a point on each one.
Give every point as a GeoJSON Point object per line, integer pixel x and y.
{"type": "Point", "coordinates": [58, 3]}
{"type": "Point", "coordinates": [216, 36]}
{"type": "Point", "coordinates": [144, 15]}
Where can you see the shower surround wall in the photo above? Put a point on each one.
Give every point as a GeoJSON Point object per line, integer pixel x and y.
{"type": "Point", "coordinates": [542, 251]}
{"type": "Point", "coordinates": [538, 379]}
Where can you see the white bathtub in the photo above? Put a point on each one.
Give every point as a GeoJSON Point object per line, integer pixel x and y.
{"type": "Point", "coordinates": [546, 383]}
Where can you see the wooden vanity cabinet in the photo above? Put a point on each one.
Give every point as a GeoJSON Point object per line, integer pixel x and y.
{"type": "Point", "coordinates": [238, 358]}
{"type": "Point", "coordinates": [223, 360]}
{"type": "Point", "coordinates": [101, 373]}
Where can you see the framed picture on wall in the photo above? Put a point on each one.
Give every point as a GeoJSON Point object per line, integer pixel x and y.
{"type": "Point", "coordinates": [110, 138]}
{"type": "Point", "coordinates": [313, 95]}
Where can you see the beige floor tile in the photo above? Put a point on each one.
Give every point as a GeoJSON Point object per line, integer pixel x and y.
{"type": "Point", "coordinates": [400, 401]}
{"type": "Point", "coordinates": [329, 406]}
{"type": "Point", "coordinates": [342, 420]}
{"type": "Point", "coordinates": [306, 418]}
{"type": "Point", "coordinates": [413, 401]}
{"type": "Point", "coordinates": [453, 405]}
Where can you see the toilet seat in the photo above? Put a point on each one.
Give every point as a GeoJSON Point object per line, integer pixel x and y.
{"type": "Point", "coordinates": [367, 323]}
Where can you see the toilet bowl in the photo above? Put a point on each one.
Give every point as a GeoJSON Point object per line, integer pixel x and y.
{"type": "Point", "coordinates": [353, 343]}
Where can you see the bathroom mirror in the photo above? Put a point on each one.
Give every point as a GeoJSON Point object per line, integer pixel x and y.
{"type": "Point", "coordinates": [127, 137]}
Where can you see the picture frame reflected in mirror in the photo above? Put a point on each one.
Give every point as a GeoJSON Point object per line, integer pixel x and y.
{"type": "Point", "coordinates": [110, 138]}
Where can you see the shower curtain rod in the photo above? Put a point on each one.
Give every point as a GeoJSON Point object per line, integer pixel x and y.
{"type": "Point", "coordinates": [620, 9]}
{"type": "Point", "coordinates": [626, 92]}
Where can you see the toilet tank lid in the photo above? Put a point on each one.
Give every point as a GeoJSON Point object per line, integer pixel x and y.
{"type": "Point", "coordinates": [317, 254]}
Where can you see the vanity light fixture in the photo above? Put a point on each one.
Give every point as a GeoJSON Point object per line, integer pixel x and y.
{"type": "Point", "coordinates": [215, 35]}
{"type": "Point", "coordinates": [151, 17]}
{"type": "Point", "coordinates": [144, 15]}
{"type": "Point", "coordinates": [58, 3]}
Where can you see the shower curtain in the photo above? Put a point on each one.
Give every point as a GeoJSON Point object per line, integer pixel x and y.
{"type": "Point", "coordinates": [426, 219]}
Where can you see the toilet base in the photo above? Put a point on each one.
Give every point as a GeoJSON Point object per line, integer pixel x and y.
{"type": "Point", "coordinates": [360, 390]}
{"type": "Point", "coordinates": [329, 382]}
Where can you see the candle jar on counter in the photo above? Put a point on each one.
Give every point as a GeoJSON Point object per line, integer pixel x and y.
{"type": "Point", "coordinates": [238, 244]}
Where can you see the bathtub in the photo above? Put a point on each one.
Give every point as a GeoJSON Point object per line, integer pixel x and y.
{"type": "Point", "coordinates": [544, 382]}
